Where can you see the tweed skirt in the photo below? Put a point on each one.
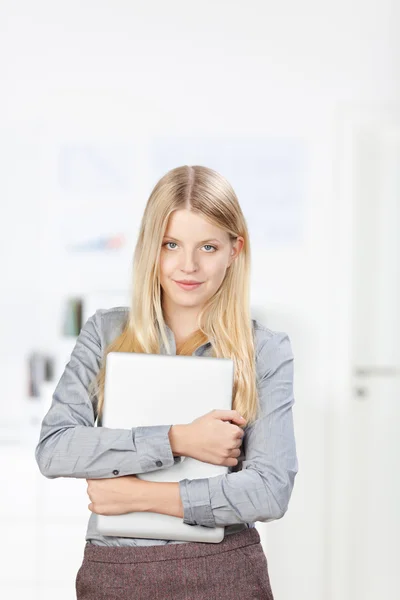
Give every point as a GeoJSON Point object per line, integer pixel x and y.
{"type": "Point", "coordinates": [234, 569]}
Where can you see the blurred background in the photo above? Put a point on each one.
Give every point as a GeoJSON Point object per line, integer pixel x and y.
{"type": "Point", "coordinates": [297, 105]}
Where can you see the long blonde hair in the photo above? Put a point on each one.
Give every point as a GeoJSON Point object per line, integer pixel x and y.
{"type": "Point", "coordinates": [225, 319]}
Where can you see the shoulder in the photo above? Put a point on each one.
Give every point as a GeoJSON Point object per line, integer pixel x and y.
{"type": "Point", "coordinates": [272, 347]}
{"type": "Point", "coordinates": [107, 323]}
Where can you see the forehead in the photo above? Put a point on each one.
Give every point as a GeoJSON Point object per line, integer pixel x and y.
{"type": "Point", "coordinates": [186, 225]}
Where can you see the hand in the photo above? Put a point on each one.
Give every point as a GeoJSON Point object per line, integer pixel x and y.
{"type": "Point", "coordinates": [116, 496]}
{"type": "Point", "coordinates": [212, 439]}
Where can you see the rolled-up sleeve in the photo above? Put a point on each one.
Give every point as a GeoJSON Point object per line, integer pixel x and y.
{"type": "Point", "coordinates": [70, 446]}
{"type": "Point", "coordinates": [262, 489]}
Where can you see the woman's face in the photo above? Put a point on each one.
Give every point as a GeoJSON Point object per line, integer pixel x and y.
{"type": "Point", "coordinates": [193, 249]}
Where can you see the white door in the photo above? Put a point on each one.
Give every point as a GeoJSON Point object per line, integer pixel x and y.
{"type": "Point", "coordinates": [369, 477]}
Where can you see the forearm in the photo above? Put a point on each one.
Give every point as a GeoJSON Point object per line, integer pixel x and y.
{"type": "Point", "coordinates": [101, 452]}
{"type": "Point", "coordinates": [178, 439]}
{"type": "Point", "coordinates": [164, 498]}
{"type": "Point", "coordinates": [229, 499]}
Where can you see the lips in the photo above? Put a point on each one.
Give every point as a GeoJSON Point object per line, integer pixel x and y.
{"type": "Point", "coordinates": [188, 286]}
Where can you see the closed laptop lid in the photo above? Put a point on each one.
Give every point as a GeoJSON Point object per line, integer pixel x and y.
{"type": "Point", "coordinates": [158, 389]}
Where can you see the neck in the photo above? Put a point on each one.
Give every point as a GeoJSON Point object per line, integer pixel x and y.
{"type": "Point", "coordinates": [181, 322]}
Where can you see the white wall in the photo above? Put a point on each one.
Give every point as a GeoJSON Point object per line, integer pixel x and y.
{"type": "Point", "coordinates": [112, 72]}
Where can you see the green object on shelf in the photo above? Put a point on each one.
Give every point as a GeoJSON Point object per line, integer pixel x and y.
{"type": "Point", "coordinates": [73, 317]}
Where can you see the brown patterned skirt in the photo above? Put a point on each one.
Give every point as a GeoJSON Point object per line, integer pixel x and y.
{"type": "Point", "coordinates": [234, 569]}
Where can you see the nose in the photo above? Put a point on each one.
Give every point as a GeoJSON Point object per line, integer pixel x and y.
{"type": "Point", "coordinates": [188, 263]}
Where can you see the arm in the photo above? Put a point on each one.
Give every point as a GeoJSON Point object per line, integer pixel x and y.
{"type": "Point", "coordinates": [162, 497]}
{"type": "Point", "coordinates": [69, 444]}
{"type": "Point", "coordinates": [262, 489]}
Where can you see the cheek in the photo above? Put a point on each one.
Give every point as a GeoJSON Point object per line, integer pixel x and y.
{"type": "Point", "coordinates": [166, 264]}
{"type": "Point", "coordinates": [168, 270]}
{"type": "Point", "coordinates": [216, 271]}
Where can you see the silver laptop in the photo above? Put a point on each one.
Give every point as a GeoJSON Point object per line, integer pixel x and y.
{"type": "Point", "coordinates": [161, 389]}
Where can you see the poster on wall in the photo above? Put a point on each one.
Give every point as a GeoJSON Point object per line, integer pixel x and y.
{"type": "Point", "coordinates": [96, 185]}
{"type": "Point", "coordinates": [267, 174]}
{"type": "Point", "coordinates": [95, 211]}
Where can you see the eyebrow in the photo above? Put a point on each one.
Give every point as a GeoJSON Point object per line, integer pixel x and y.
{"type": "Point", "coordinates": [203, 242]}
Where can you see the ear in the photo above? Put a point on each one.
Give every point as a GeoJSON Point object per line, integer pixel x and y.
{"type": "Point", "coordinates": [237, 248]}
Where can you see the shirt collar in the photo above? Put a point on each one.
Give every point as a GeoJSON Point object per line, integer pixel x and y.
{"type": "Point", "coordinates": [201, 350]}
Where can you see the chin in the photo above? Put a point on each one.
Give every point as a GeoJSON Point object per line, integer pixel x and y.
{"type": "Point", "coordinates": [188, 302]}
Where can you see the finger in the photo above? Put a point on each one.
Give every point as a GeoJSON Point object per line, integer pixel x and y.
{"type": "Point", "coordinates": [236, 447]}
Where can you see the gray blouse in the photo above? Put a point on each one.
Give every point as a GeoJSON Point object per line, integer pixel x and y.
{"type": "Point", "coordinates": [258, 488]}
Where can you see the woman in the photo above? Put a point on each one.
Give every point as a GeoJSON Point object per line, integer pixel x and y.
{"type": "Point", "coordinates": [192, 230]}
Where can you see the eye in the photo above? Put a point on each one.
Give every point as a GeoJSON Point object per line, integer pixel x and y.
{"type": "Point", "coordinates": [205, 246]}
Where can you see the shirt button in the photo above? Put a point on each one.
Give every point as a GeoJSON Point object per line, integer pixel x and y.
{"type": "Point", "coordinates": [115, 472]}
{"type": "Point", "coordinates": [159, 463]}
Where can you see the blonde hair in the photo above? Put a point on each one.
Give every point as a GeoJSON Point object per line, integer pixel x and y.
{"type": "Point", "coordinates": [225, 319]}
